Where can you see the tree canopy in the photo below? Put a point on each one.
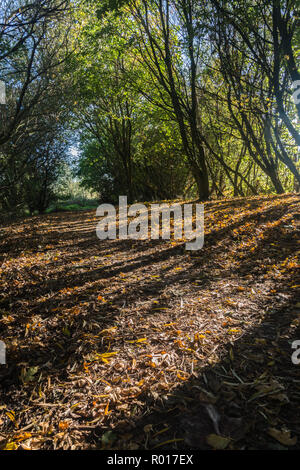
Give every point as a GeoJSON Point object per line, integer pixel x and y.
{"type": "Point", "coordinates": [161, 98]}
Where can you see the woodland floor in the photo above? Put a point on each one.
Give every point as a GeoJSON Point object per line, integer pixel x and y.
{"type": "Point", "coordinates": [141, 344]}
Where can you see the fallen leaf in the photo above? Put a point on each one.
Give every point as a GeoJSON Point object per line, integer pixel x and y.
{"type": "Point", "coordinates": [284, 437]}
{"type": "Point", "coordinates": [217, 442]}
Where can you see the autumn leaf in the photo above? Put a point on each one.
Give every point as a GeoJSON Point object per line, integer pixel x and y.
{"type": "Point", "coordinates": [63, 425]}
{"type": "Point", "coordinates": [284, 437]}
{"type": "Point", "coordinates": [10, 446]}
{"type": "Point", "coordinates": [141, 340]}
{"type": "Point", "coordinates": [106, 412]}
{"type": "Point", "coordinates": [217, 442]}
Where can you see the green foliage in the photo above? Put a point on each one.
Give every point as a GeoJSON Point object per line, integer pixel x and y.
{"type": "Point", "coordinates": [163, 99]}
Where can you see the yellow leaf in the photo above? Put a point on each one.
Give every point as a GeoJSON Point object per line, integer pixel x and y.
{"type": "Point", "coordinates": [106, 412]}
{"type": "Point", "coordinates": [11, 416]}
{"type": "Point", "coordinates": [104, 357]}
{"type": "Point", "coordinates": [141, 340]}
{"type": "Point", "coordinates": [10, 446]}
{"type": "Point", "coordinates": [23, 436]}
{"type": "Point", "coordinates": [217, 442]}
{"type": "Point", "coordinates": [108, 330]}
{"type": "Point", "coordinates": [233, 330]}
{"type": "Point", "coordinates": [181, 377]}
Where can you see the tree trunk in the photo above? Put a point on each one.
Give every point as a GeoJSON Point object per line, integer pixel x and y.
{"type": "Point", "coordinates": [272, 173]}
{"type": "Point", "coordinates": [201, 179]}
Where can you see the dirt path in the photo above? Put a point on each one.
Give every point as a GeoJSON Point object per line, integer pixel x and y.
{"type": "Point", "coordinates": [141, 344]}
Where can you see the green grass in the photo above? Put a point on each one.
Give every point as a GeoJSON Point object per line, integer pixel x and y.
{"type": "Point", "coordinates": [69, 206]}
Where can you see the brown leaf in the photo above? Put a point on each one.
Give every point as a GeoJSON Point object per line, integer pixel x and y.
{"type": "Point", "coordinates": [284, 437]}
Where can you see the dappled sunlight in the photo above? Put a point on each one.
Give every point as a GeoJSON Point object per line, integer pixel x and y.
{"type": "Point", "coordinates": [108, 327]}
{"type": "Point", "coordinates": [170, 324]}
